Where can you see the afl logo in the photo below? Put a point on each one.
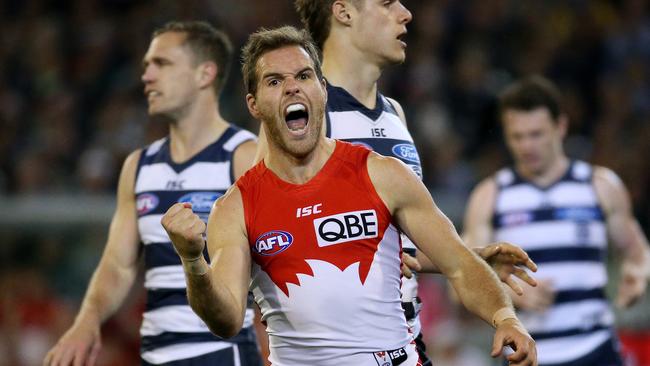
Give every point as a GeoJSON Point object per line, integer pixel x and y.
{"type": "Point", "coordinates": [273, 242]}
{"type": "Point", "coordinates": [201, 201]}
{"type": "Point", "coordinates": [146, 203]}
{"type": "Point", "coordinates": [406, 152]}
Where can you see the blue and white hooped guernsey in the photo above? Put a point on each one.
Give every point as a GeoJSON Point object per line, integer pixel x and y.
{"type": "Point", "coordinates": [381, 130]}
{"type": "Point", "coordinates": [562, 228]}
{"type": "Point", "coordinates": [170, 329]}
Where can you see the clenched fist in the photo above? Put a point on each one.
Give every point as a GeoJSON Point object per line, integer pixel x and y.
{"type": "Point", "coordinates": [185, 229]}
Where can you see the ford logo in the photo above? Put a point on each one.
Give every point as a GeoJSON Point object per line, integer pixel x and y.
{"type": "Point", "coordinates": [201, 201]}
{"type": "Point", "coordinates": [273, 242]}
{"type": "Point", "coordinates": [406, 152]}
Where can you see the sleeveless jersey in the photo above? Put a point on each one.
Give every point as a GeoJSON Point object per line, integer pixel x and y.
{"type": "Point", "coordinates": [563, 230]}
{"type": "Point", "coordinates": [382, 131]}
{"type": "Point", "coordinates": [326, 262]}
{"type": "Point", "coordinates": [170, 329]}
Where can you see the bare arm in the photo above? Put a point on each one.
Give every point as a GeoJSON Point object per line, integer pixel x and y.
{"type": "Point", "coordinates": [111, 281]}
{"type": "Point", "coordinates": [626, 234]}
{"type": "Point", "coordinates": [244, 157]}
{"type": "Point", "coordinates": [216, 292]}
{"type": "Point", "coordinates": [478, 287]}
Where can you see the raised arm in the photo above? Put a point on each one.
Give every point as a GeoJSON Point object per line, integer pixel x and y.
{"type": "Point", "coordinates": [626, 234]}
{"type": "Point", "coordinates": [216, 292]}
{"type": "Point", "coordinates": [478, 287]}
{"type": "Point", "coordinates": [111, 281]}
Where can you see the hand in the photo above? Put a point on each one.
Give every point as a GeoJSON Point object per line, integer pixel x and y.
{"type": "Point", "coordinates": [79, 346]}
{"type": "Point", "coordinates": [511, 333]}
{"type": "Point", "coordinates": [185, 229]}
{"type": "Point", "coordinates": [409, 264]}
{"type": "Point", "coordinates": [537, 298]}
{"type": "Point", "coordinates": [506, 260]}
{"type": "Point", "coordinates": [631, 286]}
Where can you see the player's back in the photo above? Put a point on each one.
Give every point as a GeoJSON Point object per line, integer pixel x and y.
{"type": "Point", "coordinates": [326, 270]}
{"type": "Point", "coordinates": [563, 230]}
{"type": "Point", "coordinates": [170, 329]}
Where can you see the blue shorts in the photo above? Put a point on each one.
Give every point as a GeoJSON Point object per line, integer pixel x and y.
{"type": "Point", "coordinates": [241, 354]}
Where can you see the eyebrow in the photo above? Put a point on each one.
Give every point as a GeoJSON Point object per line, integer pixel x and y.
{"type": "Point", "coordinates": [276, 74]}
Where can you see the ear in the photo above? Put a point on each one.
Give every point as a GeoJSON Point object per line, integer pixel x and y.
{"type": "Point", "coordinates": [341, 12]}
{"type": "Point", "coordinates": [251, 103]}
{"type": "Point", "coordinates": [207, 72]}
{"type": "Point", "coordinates": [563, 125]}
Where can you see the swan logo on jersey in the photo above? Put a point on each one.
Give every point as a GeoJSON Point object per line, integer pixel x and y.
{"type": "Point", "coordinates": [407, 152]}
{"type": "Point", "coordinates": [146, 203]}
{"type": "Point", "coordinates": [273, 242]}
{"type": "Point", "coordinates": [344, 227]}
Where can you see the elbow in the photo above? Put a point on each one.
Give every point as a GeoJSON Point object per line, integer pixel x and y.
{"type": "Point", "coordinates": [222, 325]}
{"type": "Point", "coordinates": [226, 330]}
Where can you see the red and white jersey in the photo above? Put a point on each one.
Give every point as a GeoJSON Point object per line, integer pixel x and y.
{"type": "Point", "coordinates": [326, 262]}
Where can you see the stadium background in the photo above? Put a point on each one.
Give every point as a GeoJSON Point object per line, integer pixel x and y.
{"type": "Point", "coordinates": [71, 109]}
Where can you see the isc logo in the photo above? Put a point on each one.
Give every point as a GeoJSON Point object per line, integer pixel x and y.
{"type": "Point", "coordinates": [273, 242]}
{"type": "Point", "coordinates": [344, 227]}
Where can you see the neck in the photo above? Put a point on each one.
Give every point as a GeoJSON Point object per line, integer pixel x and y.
{"type": "Point", "coordinates": [201, 125]}
{"type": "Point", "coordinates": [299, 170]}
{"type": "Point", "coordinates": [347, 67]}
{"type": "Point", "coordinates": [548, 175]}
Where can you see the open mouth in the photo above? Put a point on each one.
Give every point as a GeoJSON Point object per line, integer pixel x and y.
{"type": "Point", "coordinates": [296, 117]}
{"type": "Point", "coordinates": [402, 38]}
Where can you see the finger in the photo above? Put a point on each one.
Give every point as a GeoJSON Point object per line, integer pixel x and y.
{"type": "Point", "coordinates": [497, 346]}
{"type": "Point", "coordinates": [519, 354]}
{"type": "Point", "coordinates": [490, 251]}
{"type": "Point", "coordinates": [514, 285]}
{"type": "Point", "coordinates": [524, 276]}
{"type": "Point", "coordinates": [406, 272]}
{"type": "Point", "coordinates": [411, 262]}
{"type": "Point", "coordinates": [66, 358]}
{"type": "Point", "coordinates": [48, 358]}
{"type": "Point", "coordinates": [92, 358]}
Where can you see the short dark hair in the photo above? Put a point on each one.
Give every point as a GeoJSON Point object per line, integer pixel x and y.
{"type": "Point", "coordinates": [265, 40]}
{"type": "Point", "coordinates": [206, 43]}
{"type": "Point", "coordinates": [316, 16]}
{"type": "Point", "coordinates": [531, 93]}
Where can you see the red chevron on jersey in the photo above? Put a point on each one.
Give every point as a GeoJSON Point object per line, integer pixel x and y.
{"type": "Point", "coordinates": [344, 231]}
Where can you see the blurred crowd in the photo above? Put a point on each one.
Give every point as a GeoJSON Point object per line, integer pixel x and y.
{"type": "Point", "coordinates": [72, 108]}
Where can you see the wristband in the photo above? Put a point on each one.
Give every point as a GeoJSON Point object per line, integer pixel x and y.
{"type": "Point", "coordinates": [196, 267]}
{"type": "Point", "coordinates": [503, 314]}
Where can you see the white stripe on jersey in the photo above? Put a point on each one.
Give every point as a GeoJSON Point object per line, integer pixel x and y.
{"type": "Point", "coordinates": [179, 318]}
{"type": "Point", "coordinates": [165, 277]}
{"type": "Point", "coordinates": [151, 231]}
{"type": "Point", "coordinates": [573, 275]}
{"type": "Point", "coordinates": [345, 125]}
{"type": "Point", "coordinates": [183, 351]}
{"type": "Point", "coordinates": [198, 176]}
{"type": "Point", "coordinates": [522, 197]}
{"type": "Point", "coordinates": [155, 146]}
{"type": "Point", "coordinates": [552, 234]}
{"type": "Point", "coordinates": [238, 139]}
{"type": "Point", "coordinates": [564, 349]}
{"type": "Point", "coordinates": [563, 317]}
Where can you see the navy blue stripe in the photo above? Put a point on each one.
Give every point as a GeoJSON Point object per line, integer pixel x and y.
{"type": "Point", "coordinates": [158, 202]}
{"type": "Point", "coordinates": [538, 336]}
{"type": "Point", "coordinates": [339, 100]}
{"type": "Point", "coordinates": [166, 297]}
{"type": "Point", "coordinates": [572, 254]}
{"type": "Point", "coordinates": [163, 254]}
{"type": "Point", "coordinates": [563, 297]}
{"type": "Point", "coordinates": [516, 218]}
{"type": "Point", "coordinates": [246, 335]}
{"type": "Point", "coordinates": [159, 255]}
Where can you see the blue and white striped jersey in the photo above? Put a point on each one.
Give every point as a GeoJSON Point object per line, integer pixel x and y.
{"type": "Point", "coordinates": [381, 130]}
{"type": "Point", "coordinates": [563, 230]}
{"type": "Point", "coordinates": [170, 329]}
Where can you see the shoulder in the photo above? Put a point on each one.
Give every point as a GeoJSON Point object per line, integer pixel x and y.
{"type": "Point", "coordinates": [609, 188]}
{"type": "Point", "coordinates": [486, 188]}
{"type": "Point", "coordinates": [398, 109]}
